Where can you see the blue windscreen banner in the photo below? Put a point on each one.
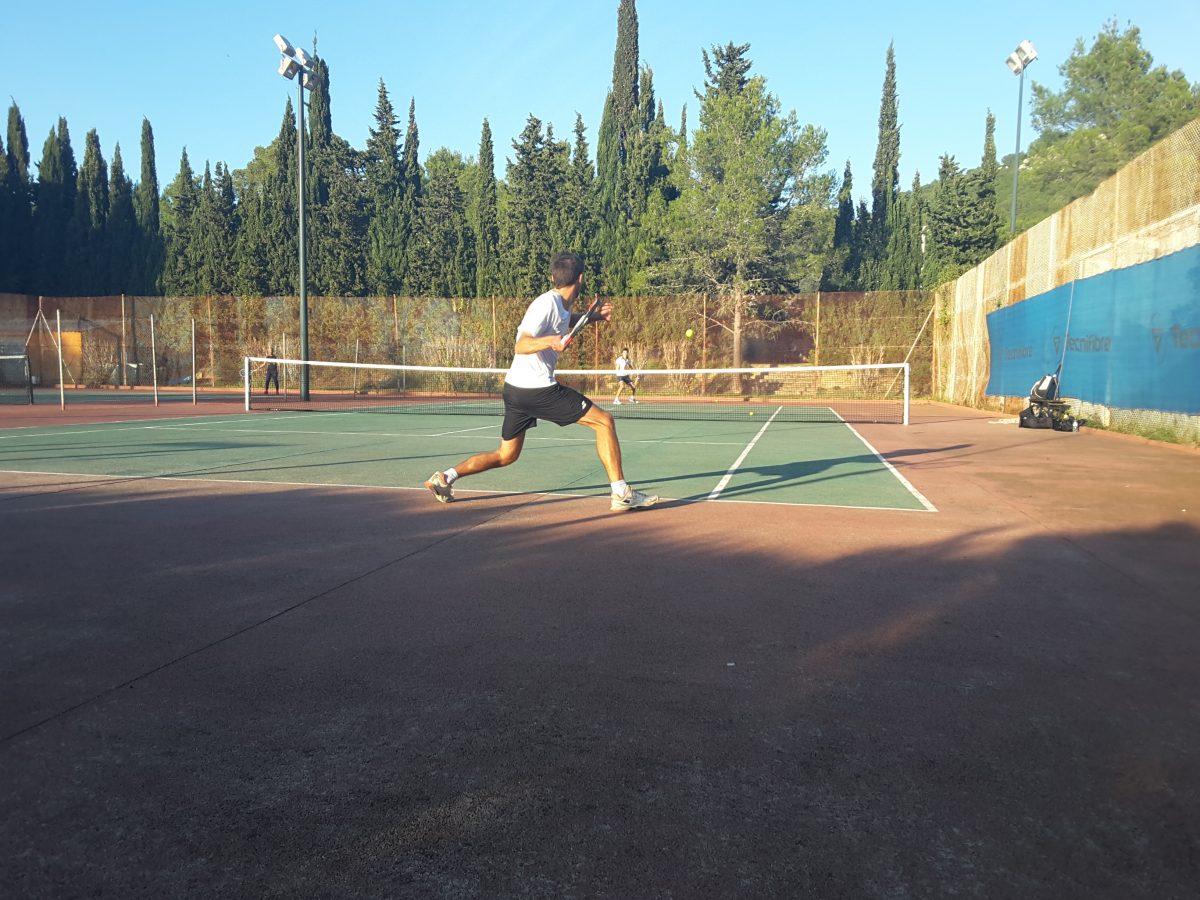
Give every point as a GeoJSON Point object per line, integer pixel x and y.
{"type": "Point", "coordinates": [1129, 338]}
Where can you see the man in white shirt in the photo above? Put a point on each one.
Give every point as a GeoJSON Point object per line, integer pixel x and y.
{"type": "Point", "coordinates": [624, 380]}
{"type": "Point", "coordinates": [531, 392]}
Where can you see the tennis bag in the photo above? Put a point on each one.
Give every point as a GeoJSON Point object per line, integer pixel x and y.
{"type": "Point", "coordinates": [1031, 419]}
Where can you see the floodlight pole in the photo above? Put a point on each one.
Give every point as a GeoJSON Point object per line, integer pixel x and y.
{"type": "Point", "coordinates": [303, 254]}
{"type": "Point", "coordinates": [1018, 61]}
{"type": "Point", "coordinates": [296, 64]}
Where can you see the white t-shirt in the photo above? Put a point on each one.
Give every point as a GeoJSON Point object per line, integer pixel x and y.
{"type": "Point", "coordinates": [546, 315]}
{"type": "Point", "coordinates": [622, 365]}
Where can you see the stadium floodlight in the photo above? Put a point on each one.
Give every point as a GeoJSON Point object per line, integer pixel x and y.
{"type": "Point", "coordinates": [296, 61]}
{"type": "Point", "coordinates": [1018, 61]}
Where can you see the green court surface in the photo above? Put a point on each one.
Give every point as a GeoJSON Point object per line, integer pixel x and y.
{"type": "Point", "coordinates": [756, 460]}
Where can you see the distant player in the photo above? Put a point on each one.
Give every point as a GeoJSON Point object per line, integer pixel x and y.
{"type": "Point", "coordinates": [272, 374]}
{"type": "Point", "coordinates": [624, 378]}
{"type": "Point", "coordinates": [531, 392]}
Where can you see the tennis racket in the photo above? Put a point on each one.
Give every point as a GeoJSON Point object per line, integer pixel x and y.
{"type": "Point", "coordinates": [583, 320]}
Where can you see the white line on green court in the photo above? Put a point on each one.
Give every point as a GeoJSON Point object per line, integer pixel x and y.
{"type": "Point", "coordinates": [716, 492]}
{"type": "Point", "coordinates": [920, 498]}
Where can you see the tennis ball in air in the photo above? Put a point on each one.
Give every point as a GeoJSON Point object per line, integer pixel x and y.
{"type": "Point", "coordinates": [689, 333]}
{"type": "Point", "coordinates": [751, 413]}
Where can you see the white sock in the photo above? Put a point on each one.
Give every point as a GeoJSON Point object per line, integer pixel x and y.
{"type": "Point", "coordinates": [619, 488]}
{"type": "Point", "coordinates": [451, 476]}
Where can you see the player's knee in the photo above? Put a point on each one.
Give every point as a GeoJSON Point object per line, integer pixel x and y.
{"type": "Point", "coordinates": [507, 457]}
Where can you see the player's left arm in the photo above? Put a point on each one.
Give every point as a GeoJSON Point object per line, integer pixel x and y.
{"type": "Point", "coordinates": [603, 312]}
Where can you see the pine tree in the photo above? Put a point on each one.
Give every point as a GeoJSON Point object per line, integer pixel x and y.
{"type": "Point", "coordinates": [121, 233]}
{"type": "Point", "coordinates": [485, 220]}
{"type": "Point", "coordinates": [149, 260]}
{"type": "Point", "coordinates": [753, 213]}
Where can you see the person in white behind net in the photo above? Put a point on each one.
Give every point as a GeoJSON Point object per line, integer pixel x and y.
{"type": "Point", "coordinates": [531, 392]}
{"type": "Point", "coordinates": [624, 379]}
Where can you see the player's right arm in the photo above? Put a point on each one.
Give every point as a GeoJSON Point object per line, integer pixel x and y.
{"type": "Point", "coordinates": [527, 343]}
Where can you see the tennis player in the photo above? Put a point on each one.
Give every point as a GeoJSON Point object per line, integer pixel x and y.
{"type": "Point", "coordinates": [531, 392]}
{"type": "Point", "coordinates": [624, 379]}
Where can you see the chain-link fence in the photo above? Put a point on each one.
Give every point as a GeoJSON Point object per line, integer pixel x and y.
{"type": "Point", "coordinates": [115, 341]}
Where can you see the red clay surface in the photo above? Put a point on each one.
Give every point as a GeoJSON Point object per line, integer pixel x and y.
{"type": "Point", "coordinates": [250, 690]}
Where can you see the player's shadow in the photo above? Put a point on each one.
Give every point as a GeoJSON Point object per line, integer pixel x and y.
{"type": "Point", "coordinates": [769, 477]}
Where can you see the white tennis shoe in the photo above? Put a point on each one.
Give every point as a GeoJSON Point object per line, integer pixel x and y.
{"type": "Point", "coordinates": [632, 500]}
{"type": "Point", "coordinates": [439, 488]}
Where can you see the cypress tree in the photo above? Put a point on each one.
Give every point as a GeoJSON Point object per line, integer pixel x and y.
{"type": "Point", "coordinates": [180, 202]}
{"type": "Point", "coordinates": [121, 229]}
{"type": "Point", "coordinates": [410, 179]}
{"type": "Point", "coordinates": [54, 209]}
{"type": "Point", "coordinates": [17, 215]}
{"type": "Point", "coordinates": [991, 225]}
{"type": "Point", "coordinates": [279, 214]}
{"type": "Point", "coordinates": [533, 190]}
{"type": "Point", "coordinates": [441, 262]}
{"type": "Point", "coordinates": [885, 180]}
{"type": "Point", "coordinates": [618, 127]}
{"type": "Point", "coordinates": [577, 217]}
{"type": "Point", "coordinates": [148, 267]}
{"type": "Point", "coordinates": [486, 222]}
{"type": "Point", "coordinates": [91, 216]}
{"type": "Point", "coordinates": [384, 192]}
{"type": "Point", "coordinates": [841, 272]}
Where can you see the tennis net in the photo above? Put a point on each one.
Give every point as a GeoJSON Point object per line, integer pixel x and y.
{"type": "Point", "coordinates": [16, 385]}
{"type": "Point", "coordinates": [860, 393]}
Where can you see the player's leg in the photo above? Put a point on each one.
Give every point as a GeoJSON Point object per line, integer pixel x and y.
{"type": "Point", "coordinates": [509, 451]}
{"type": "Point", "coordinates": [608, 448]}
{"type": "Point", "coordinates": [620, 387]}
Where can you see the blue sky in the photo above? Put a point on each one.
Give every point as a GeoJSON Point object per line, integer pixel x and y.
{"type": "Point", "coordinates": [204, 73]}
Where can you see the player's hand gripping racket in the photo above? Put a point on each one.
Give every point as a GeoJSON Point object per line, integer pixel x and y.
{"type": "Point", "coordinates": [583, 320]}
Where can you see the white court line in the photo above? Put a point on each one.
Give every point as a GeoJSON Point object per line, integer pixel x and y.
{"type": "Point", "coordinates": [904, 481]}
{"type": "Point", "coordinates": [716, 492]}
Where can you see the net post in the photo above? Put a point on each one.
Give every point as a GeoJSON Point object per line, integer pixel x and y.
{"type": "Point", "coordinates": [62, 390]}
{"type": "Point", "coordinates": [246, 380]}
{"type": "Point", "coordinates": [193, 361]}
{"type": "Point", "coordinates": [907, 393]}
{"type": "Point", "coordinates": [153, 359]}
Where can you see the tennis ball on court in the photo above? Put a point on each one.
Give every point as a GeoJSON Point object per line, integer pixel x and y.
{"type": "Point", "coordinates": [689, 333]}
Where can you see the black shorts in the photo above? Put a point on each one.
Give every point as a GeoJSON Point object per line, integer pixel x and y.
{"type": "Point", "coordinates": [556, 403]}
{"type": "Point", "coordinates": [626, 379]}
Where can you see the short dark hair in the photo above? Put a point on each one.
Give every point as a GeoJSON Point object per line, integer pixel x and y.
{"type": "Point", "coordinates": [566, 268]}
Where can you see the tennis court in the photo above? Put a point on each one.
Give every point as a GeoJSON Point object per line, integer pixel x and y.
{"type": "Point", "coordinates": [751, 459]}
{"type": "Point", "coordinates": [246, 654]}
